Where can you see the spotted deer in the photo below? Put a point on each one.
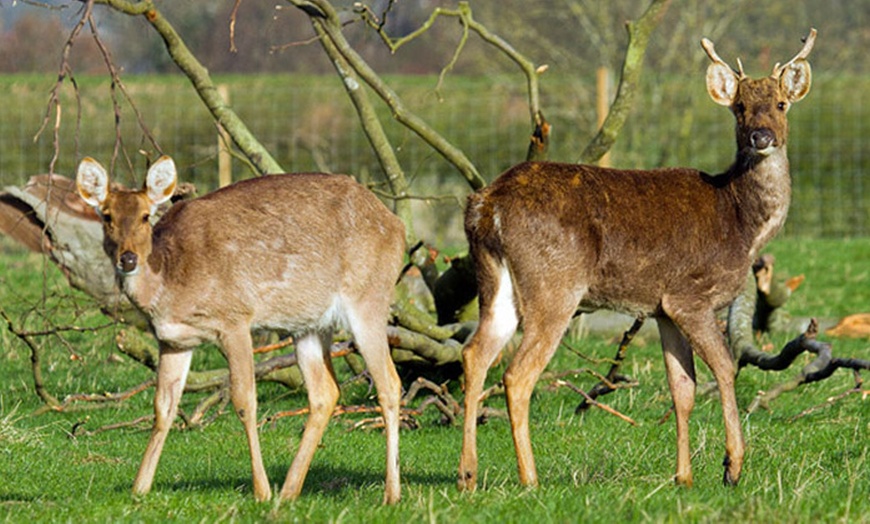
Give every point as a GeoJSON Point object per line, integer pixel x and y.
{"type": "Point", "coordinates": [298, 253]}
{"type": "Point", "coordinates": [675, 244]}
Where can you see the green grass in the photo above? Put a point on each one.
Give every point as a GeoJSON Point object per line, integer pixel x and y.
{"type": "Point", "coordinates": [592, 467]}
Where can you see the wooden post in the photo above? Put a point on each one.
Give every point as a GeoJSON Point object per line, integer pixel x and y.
{"type": "Point", "coordinates": [225, 160]}
{"type": "Point", "coordinates": [602, 104]}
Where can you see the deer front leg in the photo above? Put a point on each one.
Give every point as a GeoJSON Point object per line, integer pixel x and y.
{"type": "Point", "coordinates": [238, 350]}
{"type": "Point", "coordinates": [680, 367]}
{"type": "Point", "coordinates": [718, 359]}
{"type": "Point", "coordinates": [703, 334]}
{"type": "Point", "coordinates": [316, 368]}
{"type": "Point", "coordinates": [172, 371]}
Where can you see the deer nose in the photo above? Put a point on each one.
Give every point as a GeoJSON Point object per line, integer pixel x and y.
{"type": "Point", "coordinates": [762, 139]}
{"type": "Point", "coordinates": [128, 261]}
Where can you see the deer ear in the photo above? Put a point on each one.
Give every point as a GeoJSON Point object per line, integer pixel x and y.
{"type": "Point", "coordinates": [161, 180]}
{"type": "Point", "coordinates": [721, 83]}
{"type": "Point", "coordinates": [92, 182]}
{"type": "Point", "coordinates": [795, 80]}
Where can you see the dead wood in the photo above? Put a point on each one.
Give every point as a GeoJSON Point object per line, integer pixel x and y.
{"type": "Point", "coordinates": [759, 308]}
{"type": "Point", "coordinates": [592, 402]}
{"type": "Point", "coordinates": [439, 398]}
{"type": "Point", "coordinates": [613, 380]}
{"type": "Point", "coordinates": [858, 389]}
{"type": "Point", "coordinates": [755, 310]}
{"type": "Point", "coordinates": [822, 367]}
{"type": "Point", "coordinates": [50, 216]}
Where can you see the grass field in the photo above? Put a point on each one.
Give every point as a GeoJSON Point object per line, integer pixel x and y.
{"type": "Point", "coordinates": [593, 467]}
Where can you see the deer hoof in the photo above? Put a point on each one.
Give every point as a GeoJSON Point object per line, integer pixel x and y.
{"type": "Point", "coordinates": [730, 478]}
{"type": "Point", "coordinates": [467, 481]}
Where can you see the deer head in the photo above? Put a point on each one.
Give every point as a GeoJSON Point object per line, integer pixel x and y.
{"type": "Point", "coordinates": [126, 214]}
{"type": "Point", "coordinates": [760, 105]}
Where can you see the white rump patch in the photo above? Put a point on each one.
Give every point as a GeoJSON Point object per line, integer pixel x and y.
{"type": "Point", "coordinates": [504, 309]}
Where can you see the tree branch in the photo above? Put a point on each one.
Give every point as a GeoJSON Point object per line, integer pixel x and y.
{"type": "Point", "coordinates": [372, 128]}
{"type": "Point", "coordinates": [541, 130]}
{"type": "Point", "coordinates": [202, 83]}
{"type": "Point", "coordinates": [638, 38]}
{"type": "Point", "coordinates": [327, 19]}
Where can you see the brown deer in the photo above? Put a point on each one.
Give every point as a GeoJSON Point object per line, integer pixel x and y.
{"type": "Point", "coordinates": [675, 244]}
{"type": "Point", "coordinates": [298, 253]}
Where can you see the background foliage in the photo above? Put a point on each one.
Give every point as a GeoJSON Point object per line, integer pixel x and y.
{"type": "Point", "coordinates": [306, 121]}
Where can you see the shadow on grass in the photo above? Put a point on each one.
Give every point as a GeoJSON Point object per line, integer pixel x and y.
{"type": "Point", "coordinates": [324, 480]}
{"type": "Point", "coordinates": [10, 499]}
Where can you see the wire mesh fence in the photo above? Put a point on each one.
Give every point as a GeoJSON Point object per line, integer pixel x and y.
{"type": "Point", "coordinates": [308, 124]}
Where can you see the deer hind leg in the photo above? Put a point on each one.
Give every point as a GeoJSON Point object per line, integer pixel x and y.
{"type": "Point", "coordinates": [370, 335]}
{"type": "Point", "coordinates": [172, 371]}
{"type": "Point", "coordinates": [238, 350]}
{"type": "Point", "coordinates": [498, 322]}
{"type": "Point", "coordinates": [545, 318]}
{"type": "Point", "coordinates": [680, 367]}
{"type": "Point", "coordinates": [312, 354]}
{"type": "Point", "coordinates": [703, 334]}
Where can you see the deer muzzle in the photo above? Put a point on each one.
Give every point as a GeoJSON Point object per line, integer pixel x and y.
{"type": "Point", "coordinates": [763, 141]}
{"type": "Point", "coordinates": [128, 263]}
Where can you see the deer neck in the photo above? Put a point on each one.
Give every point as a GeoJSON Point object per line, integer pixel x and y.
{"type": "Point", "coordinates": [762, 189]}
{"type": "Point", "coordinates": [145, 287]}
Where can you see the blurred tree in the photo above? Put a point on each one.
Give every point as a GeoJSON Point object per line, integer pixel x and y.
{"type": "Point", "coordinates": [568, 35]}
{"type": "Point", "coordinates": [33, 43]}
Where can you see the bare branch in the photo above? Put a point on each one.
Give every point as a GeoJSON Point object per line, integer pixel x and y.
{"type": "Point", "coordinates": [202, 82]}
{"type": "Point", "coordinates": [638, 37]}
{"type": "Point", "coordinates": [35, 362]}
{"type": "Point", "coordinates": [233, 26]}
{"type": "Point", "coordinates": [594, 402]}
{"type": "Point", "coordinates": [371, 125]}
{"type": "Point", "coordinates": [64, 70]}
{"type": "Point", "coordinates": [327, 20]}
{"type": "Point", "coordinates": [464, 14]}
{"type": "Point", "coordinates": [117, 83]}
{"type": "Point", "coordinates": [858, 389]}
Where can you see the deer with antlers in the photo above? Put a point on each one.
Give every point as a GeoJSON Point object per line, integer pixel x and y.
{"type": "Point", "coordinates": [298, 253]}
{"type": "Point", "coordinates": [675, 244]}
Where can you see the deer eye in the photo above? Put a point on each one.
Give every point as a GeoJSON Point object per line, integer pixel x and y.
{"type": "Point", "coordinates": [781, 106]}
{"type": "Point", "coordinates": [107, 218]}
{"type": "Point", "coordinates": [145, 218]}
{"type": "Point", "coordinates": [739, 108]}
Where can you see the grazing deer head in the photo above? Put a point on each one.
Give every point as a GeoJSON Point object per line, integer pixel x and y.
{"type": "Point", "coordinates": [297, 253]}
{"type": "Point", "coordinates": [675, 244]}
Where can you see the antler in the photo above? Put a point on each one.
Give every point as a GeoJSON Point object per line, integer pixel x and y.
{"type": "Point", "coordinates": [808, 46]}
{"type": "Point", "coordinates": [711, 52]}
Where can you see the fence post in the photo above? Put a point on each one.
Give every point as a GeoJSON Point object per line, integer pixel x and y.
{"type": "Point", "coordinates": [602, 104]}
{"type": "Point", "coordinates": [225, 160]}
